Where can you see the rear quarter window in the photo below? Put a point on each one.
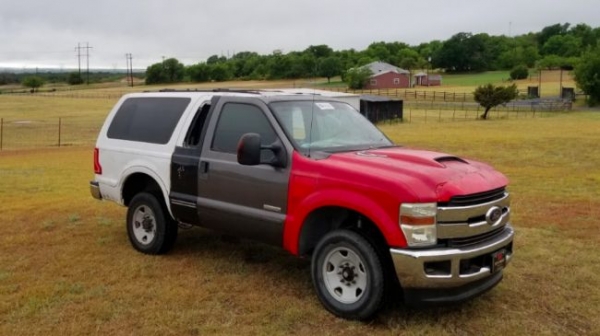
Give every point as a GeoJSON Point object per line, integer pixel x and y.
{"type": "Point", "coordinates": [151, 120]}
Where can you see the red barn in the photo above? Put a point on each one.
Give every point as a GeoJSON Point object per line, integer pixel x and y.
{"type": "Point", "coordinates": [387, 76]}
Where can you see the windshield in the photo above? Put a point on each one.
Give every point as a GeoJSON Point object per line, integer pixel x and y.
{"type": "Point", "coordinates": [335, 126]}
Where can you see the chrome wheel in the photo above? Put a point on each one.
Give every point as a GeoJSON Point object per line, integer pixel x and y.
{"type": "Point", "coordinates": [345, 275]}
{"type": "Point", "coordinates": [144, 225]}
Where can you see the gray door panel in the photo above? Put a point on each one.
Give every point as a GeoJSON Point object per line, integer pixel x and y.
{"type": "Point", "coordinates": [249, 201]}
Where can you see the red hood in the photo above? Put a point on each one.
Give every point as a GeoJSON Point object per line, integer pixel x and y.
{"type": "Point", "coordinates": [428, 176]}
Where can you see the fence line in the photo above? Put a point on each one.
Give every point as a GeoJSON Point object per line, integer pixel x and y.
{"type": "Point", "coordinates": [40, 133]}
{"type": "Point", "coordinates": [407, 94]}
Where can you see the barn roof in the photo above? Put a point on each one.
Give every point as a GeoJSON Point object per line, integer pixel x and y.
{"type": "Point", "coordinates": [378, 68]}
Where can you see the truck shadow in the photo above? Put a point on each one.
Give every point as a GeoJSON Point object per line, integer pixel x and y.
{"type": "Point", "coordinates": [274, 262]}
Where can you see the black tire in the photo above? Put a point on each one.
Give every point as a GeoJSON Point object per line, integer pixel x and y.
{"type": "Point", "coordinates": [370, 298]}
{"type": "Point", "coordinates": [160, 231]}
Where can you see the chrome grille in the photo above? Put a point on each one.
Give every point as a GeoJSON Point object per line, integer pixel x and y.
{"type": "Point", "coordinates": [473, 240]}
{"type": "Point", "coordinates": [473, 199]}
{"type": "Point", "coordinates": [464, 222]}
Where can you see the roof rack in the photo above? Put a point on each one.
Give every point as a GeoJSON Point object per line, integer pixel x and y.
{"type": "Point", "coordinates": [209, 90]}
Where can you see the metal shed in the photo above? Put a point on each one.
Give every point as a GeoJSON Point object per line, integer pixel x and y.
{"type": "Point", "coordinates": [378, 109]}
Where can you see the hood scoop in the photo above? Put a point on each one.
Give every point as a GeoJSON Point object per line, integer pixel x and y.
{"type": "Point", "coordinates": [445, 160]}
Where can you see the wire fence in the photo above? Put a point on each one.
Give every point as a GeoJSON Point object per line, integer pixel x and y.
{"type": "Point", "coordinates": [18, 134]}
{"type": "Point", "coordinates": [28, 133]}
{"type": "Point", "coordinates": [409, 94]}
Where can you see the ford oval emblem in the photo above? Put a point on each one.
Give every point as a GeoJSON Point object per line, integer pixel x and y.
{"type": "Point", "coordinates": [493, 215]}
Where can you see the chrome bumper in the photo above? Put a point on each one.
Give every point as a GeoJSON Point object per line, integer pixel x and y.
{"type": "Point", "coordinates": [95, 190]}
{"type": "Point", "coordinates": [410, 264]}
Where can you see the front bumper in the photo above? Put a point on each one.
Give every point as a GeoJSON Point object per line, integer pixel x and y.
{"type": "Point", "coordinates": [95, 190]}
{"type": "Point", "coordinates": [462, 272]}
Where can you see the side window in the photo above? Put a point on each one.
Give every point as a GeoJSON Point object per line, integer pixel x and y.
{"type": "Point", "coordinates": [192, 138]}
{"type": "Point", "coordinates": [149, 119]}
{"type": "Point", "coordinates": [236, 120]}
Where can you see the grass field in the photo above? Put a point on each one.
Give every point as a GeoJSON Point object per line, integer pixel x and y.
{"type": "Point", "coordinates": [66, 266]}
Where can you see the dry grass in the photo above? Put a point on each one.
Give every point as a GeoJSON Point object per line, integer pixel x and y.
{"type": "Point", "coordinates": [66, 266]}
{"type": "Point", "coordinates": [33, 122]}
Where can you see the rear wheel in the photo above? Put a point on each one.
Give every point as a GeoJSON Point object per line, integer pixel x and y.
{"type": "Point", "coordinates": [348, 276]}
{"type": "Point", "coordinates": [149, 226]}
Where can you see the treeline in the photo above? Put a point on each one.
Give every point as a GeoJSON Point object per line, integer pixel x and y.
{"type": "Point", "coordinates": [555, 46]}
{"type": "Point", "coordinates": [72, 78]}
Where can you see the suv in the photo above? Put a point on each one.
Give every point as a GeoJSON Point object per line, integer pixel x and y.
{"type": "Point", "coordinates": [311, 174]}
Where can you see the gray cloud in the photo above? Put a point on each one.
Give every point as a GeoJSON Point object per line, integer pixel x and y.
{"type": "Point", "coordinates": [44, 33]}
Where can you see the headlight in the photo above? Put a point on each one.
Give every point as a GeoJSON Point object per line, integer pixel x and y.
{"type": "Point", "coordinates": [418, 223]}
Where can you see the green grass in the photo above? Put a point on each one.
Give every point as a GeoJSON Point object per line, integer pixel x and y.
{"type": "Point", "coordinates": [475, 79]}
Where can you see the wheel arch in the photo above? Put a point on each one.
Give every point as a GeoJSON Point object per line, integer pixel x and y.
{"type": "Point", "coordinates": [325, 219]}
{"type": "Point", "coordinates": [305, 216]}
{"type": "Point", "coordinates": [143, 181]}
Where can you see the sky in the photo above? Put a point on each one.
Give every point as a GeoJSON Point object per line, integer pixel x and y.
{"type": "Point", "coordinates": [45, 33]}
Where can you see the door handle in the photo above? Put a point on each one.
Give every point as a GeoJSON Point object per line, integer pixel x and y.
{"type": "Point", "coordinates": [203, 167]}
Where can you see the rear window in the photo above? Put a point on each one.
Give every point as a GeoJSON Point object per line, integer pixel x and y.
{"type": "Point", "coordinates": [150, 120]}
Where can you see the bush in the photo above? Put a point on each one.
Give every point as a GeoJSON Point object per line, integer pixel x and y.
{"type": "Point", "coordinates": [586, 76]}
{"type": "Point", "coordinates": [519, 72]}
{"type": "Point", "coordinates": [357, 78]}
{"type": "Point", "coordinates": [75, 78]}
{"type": "Point", "coordinates": [33, 82]}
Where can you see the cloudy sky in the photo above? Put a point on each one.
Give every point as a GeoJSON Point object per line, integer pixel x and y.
{"type": "Point", "coordinates": [45, 33]}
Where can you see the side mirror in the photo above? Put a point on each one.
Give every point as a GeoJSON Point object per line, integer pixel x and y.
{"type": "Point", "coordinates": [249, 152]}
{"type": "Point", "coordinates": [248, 149]}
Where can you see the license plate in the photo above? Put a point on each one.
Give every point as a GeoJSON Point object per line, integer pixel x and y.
{"type": "Point", "coordinates": [498, 260]}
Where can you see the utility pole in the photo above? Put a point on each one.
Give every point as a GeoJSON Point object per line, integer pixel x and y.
{"type": "Point", "coordinates": [78, 49]}
{"type": "Point", "coordinates": [87, 54]}
{"type": "Point", "coordinates": [129, 60]}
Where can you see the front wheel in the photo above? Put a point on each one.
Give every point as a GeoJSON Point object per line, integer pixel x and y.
{"type": "Point", "coordinates": [347, 275]}
{"type": "Point", "coordinates": [149, 226]}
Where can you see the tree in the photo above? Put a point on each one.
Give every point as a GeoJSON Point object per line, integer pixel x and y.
{"type": "Point", "coordinates": [587, 75]}
{"type": "Point", "coordinates": [549, 31]}
{"type": "Point", "coordinates": [33, 82]}
{"type": "Point", "coordinates": [562, 45]}
{"type": "Point", "coordinates": [553, 62]}
{"type": "Point", "coordinates": [519, 72]}
{"type": "Point", "coordinates": [199, 72]}
{"type": "Point", "coordinates": [75, 79]}
{"type": "Point", "coordinates": [155, 74]}
{"type": "Point", "coordinates": [174, 70]}
{"type": "Point", "coordinates": [585, 33]}
{"type": "Point", "coordinates": [357, 77]}
{"type": "Point", "coordinates": [330, 67]}
{"type": "Point", "coordinates": [319, 51]}
{"type": "Point", "coordinates": [464, 52]}
{"type": "Point", "coordinates": [489, 96]}
{"type": "Point", "coordinates": [168, 71]}
{"type": "Point", "coordinates": [220, 72]}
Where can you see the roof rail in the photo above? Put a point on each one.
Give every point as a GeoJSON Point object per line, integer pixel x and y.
{"type": "Point", "coordinates": [209, 90]}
